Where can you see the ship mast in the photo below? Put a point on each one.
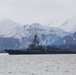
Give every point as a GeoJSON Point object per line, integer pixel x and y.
{"type": "Point", "coordinates": [35, 41]}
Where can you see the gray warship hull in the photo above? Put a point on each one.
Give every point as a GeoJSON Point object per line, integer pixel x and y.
{"type": "Point", "coordinates": [16, 52]}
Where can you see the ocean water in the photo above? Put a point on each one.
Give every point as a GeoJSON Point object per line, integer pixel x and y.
{"type": "Point", "coordinates": [46, 64]}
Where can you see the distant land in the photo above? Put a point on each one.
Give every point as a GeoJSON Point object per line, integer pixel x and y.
{"type": "Point", "coordinates": [16, 36]}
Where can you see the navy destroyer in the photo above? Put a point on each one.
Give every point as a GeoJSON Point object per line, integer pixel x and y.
{"type": "Point", "coordinates": [35, 48]}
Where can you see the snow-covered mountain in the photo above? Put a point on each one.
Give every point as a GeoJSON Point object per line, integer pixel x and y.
{"type": "Point", "coordinates": [9, 28]}
{"type": "Point", "coordinates": [20, 36]}
{"type": "Point", "coordinates": [69, 25]}
{"type": "Point", "coordinates": [16, 36]}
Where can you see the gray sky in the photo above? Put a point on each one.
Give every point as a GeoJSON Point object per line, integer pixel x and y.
{"type": "Point", "coordinates": [41, 11]}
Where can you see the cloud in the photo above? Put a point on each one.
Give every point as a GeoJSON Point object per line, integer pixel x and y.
{"type": "Point", "coordinates": [29, 11]}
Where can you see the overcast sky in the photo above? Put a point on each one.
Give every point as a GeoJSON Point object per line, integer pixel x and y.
{"type": "Point", "coordinates": [41, 11]}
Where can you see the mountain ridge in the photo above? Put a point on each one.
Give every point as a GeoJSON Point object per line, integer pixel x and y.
{"type": "Point", "coordinates": [21, 36]}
